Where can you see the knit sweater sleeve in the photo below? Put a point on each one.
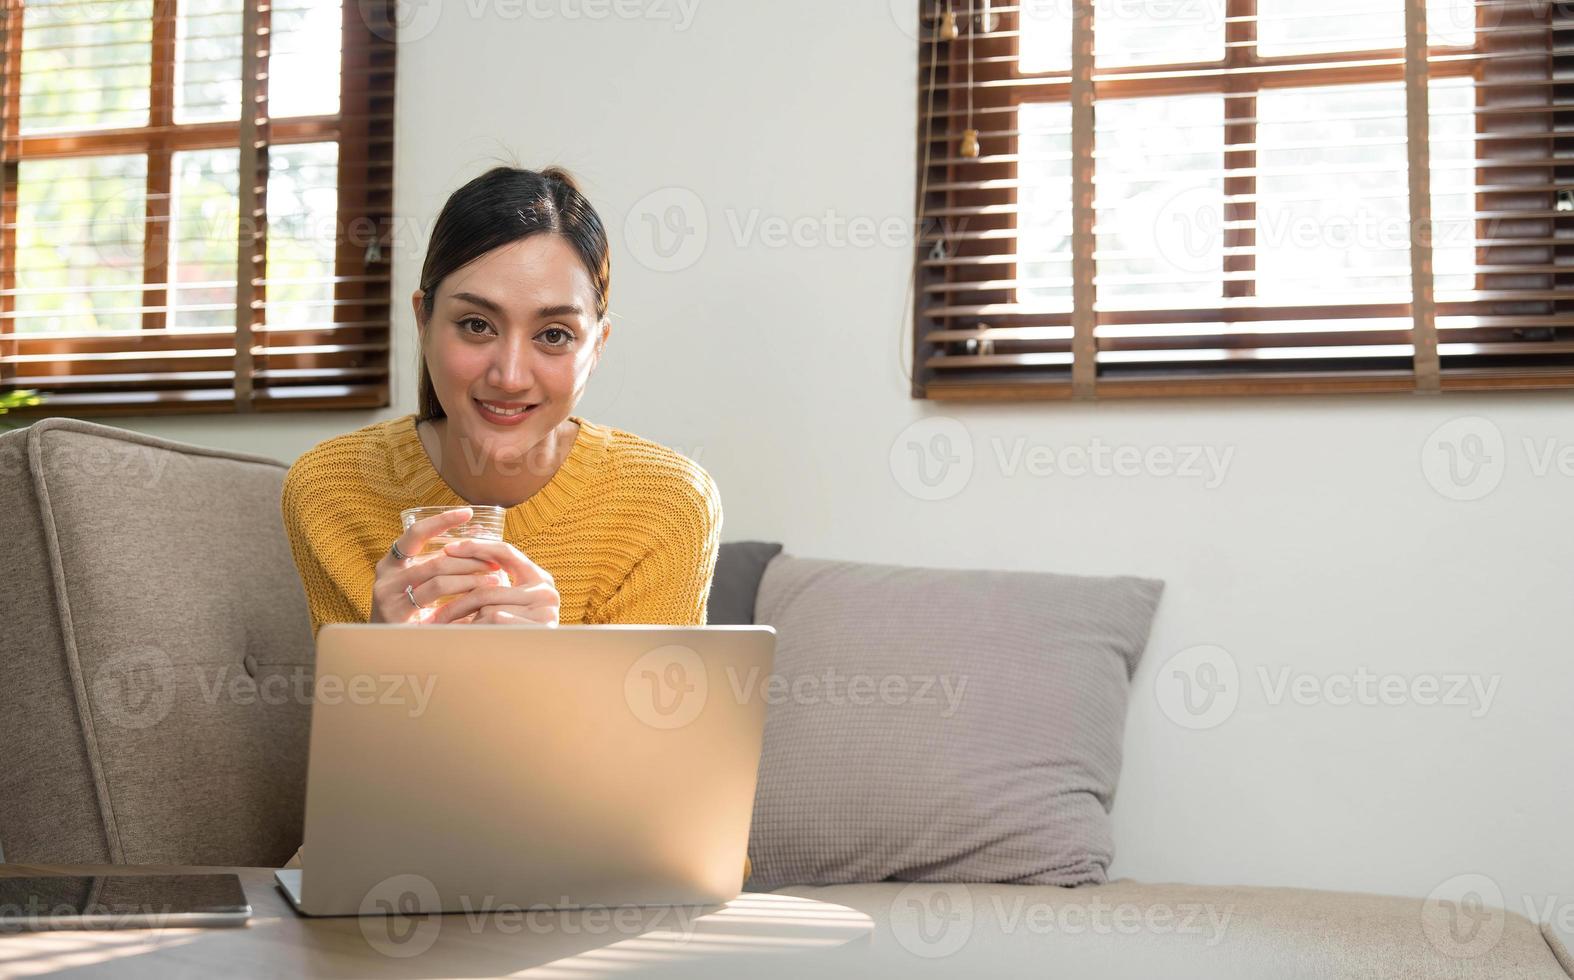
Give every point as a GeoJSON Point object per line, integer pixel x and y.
{"type": "Point", "coordinates": [670, 584]}
{"type": "Point", "coordinates": [324, 570]}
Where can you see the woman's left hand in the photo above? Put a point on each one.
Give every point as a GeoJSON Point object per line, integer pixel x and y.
{"type": "Point", "coordinates": [531, 598]}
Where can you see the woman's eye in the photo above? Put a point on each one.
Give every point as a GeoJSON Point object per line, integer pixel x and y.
{"type": "Point", "coordinates": [468, 323]}
{"type": "Point", "coordinates": [557, 337]}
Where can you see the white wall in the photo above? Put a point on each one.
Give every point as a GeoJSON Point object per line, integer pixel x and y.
{"type": "Point", "coordinates": [1324, 550]}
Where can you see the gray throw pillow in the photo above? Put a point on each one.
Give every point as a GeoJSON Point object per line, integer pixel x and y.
{"type": "Point", "coordinates": [739, 566]}
{"type": "Point", "coordinates": [940, 725]}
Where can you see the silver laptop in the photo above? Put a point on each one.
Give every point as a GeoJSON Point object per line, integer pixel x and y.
{"type": "Point", "coordinates": [455, 766]}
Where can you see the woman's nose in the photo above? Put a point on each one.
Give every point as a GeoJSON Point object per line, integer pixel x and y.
{"type": "Point", "coordinates": [511, 370]}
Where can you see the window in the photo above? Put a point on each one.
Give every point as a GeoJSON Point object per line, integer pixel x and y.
{"type": "Point", "coordinates": [196, 204]}
{"type": "Point", "coordinates": [1175, 197]}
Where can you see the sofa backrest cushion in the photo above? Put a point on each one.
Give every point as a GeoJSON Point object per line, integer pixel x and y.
{"type": "Point", "coordinates": [739, 567]}
{"type": "Point", "coordinates": [942, 725]}
{"type": "Point", "coordinates": [156, 673]}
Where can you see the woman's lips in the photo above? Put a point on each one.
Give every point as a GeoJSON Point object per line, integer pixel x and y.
{"type": "Point", "coordinates": [496, 419]}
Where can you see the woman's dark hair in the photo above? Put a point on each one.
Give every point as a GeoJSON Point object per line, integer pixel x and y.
{"type": "Point", "coordinates": [501, 206]}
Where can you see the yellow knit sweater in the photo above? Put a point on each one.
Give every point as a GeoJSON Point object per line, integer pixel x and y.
{"type": "Point", "coordinates": [627, 528]}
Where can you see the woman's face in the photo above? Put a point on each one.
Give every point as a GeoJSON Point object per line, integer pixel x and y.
{"type": "Point", "coordinates": [516, 328]}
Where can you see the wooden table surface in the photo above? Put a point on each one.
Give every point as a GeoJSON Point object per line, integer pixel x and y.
{"type": "Point", "coordinates": [757, 934]}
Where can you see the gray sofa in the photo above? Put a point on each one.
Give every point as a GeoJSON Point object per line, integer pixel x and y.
{"type": "Point", "coordinates": [122, 741]}
{"type": "Point", "coordinates": [156, 635]}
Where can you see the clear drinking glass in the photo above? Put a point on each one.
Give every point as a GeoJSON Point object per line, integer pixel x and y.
{"type": "Point", "coordinates": [485, 524]}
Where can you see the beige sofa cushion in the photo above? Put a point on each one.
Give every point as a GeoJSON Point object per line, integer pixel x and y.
{"type": "Point", "coordinates": [1126, 930]}
{"type": "Point", "coordinates": [942, 724]}
{"type": "Point", "coordinates": [155, 675]}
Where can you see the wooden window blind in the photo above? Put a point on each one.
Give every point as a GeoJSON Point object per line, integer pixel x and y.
{"type": "Point", "coordinates": [196, 204]}
{"type": "Point", "coordinates": [1171, 197]}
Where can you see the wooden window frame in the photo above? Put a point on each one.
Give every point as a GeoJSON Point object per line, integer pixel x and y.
{"type": "Point", "coordinates": [1242, 70]}
{"type": "Point", "coordinates": [362, 129]}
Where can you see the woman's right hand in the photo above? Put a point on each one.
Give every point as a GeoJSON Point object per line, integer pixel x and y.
{"type": "Point", "coordinates": [429, 578]}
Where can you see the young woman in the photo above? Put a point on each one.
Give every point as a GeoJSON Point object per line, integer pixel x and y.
{"type": "Point", "coordinates": [601, 527]}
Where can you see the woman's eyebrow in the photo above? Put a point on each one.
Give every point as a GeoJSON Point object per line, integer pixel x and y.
{"type": "Point", "coordinates": [564, 309]}
{"type": "Point", "coordinates": [561, 309]}
{"type": "Point", "coordinates": [480, 301]}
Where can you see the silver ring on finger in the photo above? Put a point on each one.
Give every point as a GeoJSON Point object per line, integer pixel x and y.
{"type": "Point", "coordinates": [393, 549]}
{"type": "Point", "coordinates": [409, 592]}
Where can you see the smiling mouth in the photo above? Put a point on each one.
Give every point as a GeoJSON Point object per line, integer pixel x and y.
{"type": "Point", "coordinates": [504, 411]}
